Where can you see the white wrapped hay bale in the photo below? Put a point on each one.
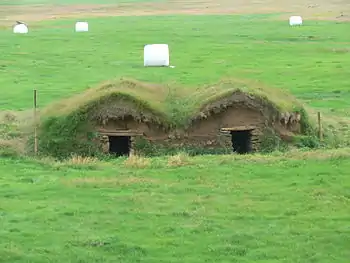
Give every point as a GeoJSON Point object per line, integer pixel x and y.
{"type": "Point", "coordinates": [20, 29]}
{"type": "Point", "coordinates": [156, 55]}
{"type": "Point", "coordinates": [295, 21]}
{"type": "Point", "coordinates": [81, 27]}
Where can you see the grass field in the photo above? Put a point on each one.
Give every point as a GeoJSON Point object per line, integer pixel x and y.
{"type": "Point", "coordinates": [282, 207]}
{"type": "Point", "coordinates": [310, 61]}
{"type": "Point", "coordinates": [243, 210]}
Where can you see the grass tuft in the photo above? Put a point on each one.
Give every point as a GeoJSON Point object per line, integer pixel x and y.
{"type": "Point", "coordinates": [136, 161]}
{"type": "Point", "coordinates": [11, 148]}
{"type": "Point", "coordinates": [81, 160]}
{"type": "Point", "coordinates": [180, 159]}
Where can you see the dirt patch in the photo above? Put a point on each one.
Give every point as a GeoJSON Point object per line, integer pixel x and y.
{"type": "Point", "coordinates": [126, 116]}
{"type": "Point", "coordinates": [318, 9]}
{"type": "Point", "coordinates": [129, 123]}
{"type": "Point", "coordinates": [236, 109]}
{"type": "Point", "coordinates": [230, 117]}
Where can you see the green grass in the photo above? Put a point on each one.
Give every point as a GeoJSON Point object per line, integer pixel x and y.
{"type": "Point", "coordinates": [249, 209]}
{"type": "Point", "coordinates": [310, 61]}
{"type": "Point", "coordinates": [290, 207]}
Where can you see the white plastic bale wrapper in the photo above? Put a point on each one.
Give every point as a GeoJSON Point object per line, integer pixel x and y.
{"type": "Point", "coordinates": [81, 27]}
{"type": "Point", "coordinates": [156, 55]}
{"type": "Point", "coordinates": [295, 21]}
{"type": "Point", "coordinates": [20, 29]}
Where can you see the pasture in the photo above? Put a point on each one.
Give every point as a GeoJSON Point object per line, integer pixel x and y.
{"type": "Point", "coordinates": [310, 61]}
{"type": "Point", "coordinates": [281, 207]}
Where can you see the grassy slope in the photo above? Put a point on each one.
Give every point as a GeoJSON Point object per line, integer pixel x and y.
{"type": "Point", "coordinates": [203, 49]}
{"type": "Point", "coordinates": [263, 210]}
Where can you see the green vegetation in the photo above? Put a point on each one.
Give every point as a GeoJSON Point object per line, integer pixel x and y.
{"type": "Point", "coordinates": [286, 208]}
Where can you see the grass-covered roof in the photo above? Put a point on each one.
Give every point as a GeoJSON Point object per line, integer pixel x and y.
{"type": "Point", "coordinates": [172, 105]}
{"type": "Point", "coordinates": [135, 96]}
{"type": "Point", "coordinates": [229, 92]}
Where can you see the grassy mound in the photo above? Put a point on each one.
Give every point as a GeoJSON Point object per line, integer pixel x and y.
{"type": "Point", "coordinates": [66, 126]}
{"type": "Point", "coordinates": [148, 97]}
{"type": "Point", "coordinates": [216, 98]}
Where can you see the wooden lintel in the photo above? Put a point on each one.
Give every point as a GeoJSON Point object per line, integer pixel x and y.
{"type": "Point", "coordinates": [239, 128]}
{"type": "Point", "coordinates": [120, 133]}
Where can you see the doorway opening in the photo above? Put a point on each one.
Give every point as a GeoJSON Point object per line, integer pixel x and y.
{"type": "Point", "coordinates": [241, 141]}
{"type": "Point", "coordinates": [119, 141]}
{"type": "Point", "coordinates": [119, 145]}
{"type": "Point", "coordinates": [241, 138]}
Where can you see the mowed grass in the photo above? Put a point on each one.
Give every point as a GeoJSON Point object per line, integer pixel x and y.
{"type": "Point", "coordinates": [311, 61]}
{"type": "Point", "coordinates": [194, 210]}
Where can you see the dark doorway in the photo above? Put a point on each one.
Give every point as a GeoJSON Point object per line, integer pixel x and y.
{"type": "Point", "coordinates": [241, 141]}
{"type": "Point", "coordinates": [119, 145]}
